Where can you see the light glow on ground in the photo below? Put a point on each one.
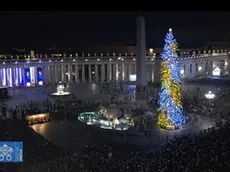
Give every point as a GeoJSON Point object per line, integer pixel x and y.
{"type": "Point", "coordinates": [60, 94]}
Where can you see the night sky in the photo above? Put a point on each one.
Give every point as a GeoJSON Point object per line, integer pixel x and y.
{"type": "Point", "coordinates": [69, 29]}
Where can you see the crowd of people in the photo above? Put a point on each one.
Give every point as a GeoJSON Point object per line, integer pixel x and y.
{"type": "Point", "coordinates": [200, 105]}
{"type": "Point", "coordinates": [39, 153]}
{"type": "Point", "coordinates": [214, 108]}
{"type": "Point", "coordinates": [29, 108]}
{"type": "Point", "coordinates": [207, 151]}
{"type": "Point", "coordinates": [203, 152]}
{"type": "Point", "coordinates": [36, 150]}
{"type": "Point", "coordinates": [56, 108]}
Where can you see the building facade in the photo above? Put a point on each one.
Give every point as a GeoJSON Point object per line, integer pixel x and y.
{"type": "Point", "coordinates": [80, 68]}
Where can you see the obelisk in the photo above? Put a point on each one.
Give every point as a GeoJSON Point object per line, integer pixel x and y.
{"type": "Point", "coordinates": [141, 82]}
{"type": "Point", "coordinates": [157, 74]}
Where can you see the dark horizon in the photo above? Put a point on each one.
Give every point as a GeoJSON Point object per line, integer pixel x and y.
{"type": "Point", "coordinates": [42, 30]}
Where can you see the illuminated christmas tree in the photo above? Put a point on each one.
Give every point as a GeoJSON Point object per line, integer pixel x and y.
{"type": "Point", "coordinates": [170, 110]}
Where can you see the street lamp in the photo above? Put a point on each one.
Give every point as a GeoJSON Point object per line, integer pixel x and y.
{"type": "Point", "coordinates": [209, 95]}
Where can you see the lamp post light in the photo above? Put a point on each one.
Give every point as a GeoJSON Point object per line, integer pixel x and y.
{"type": "Point", "coordinates": [210, 96]}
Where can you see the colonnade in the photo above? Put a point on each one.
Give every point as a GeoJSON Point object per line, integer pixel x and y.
{"type": "Point", "coordinates": [50, 73]}
{"type": "Point", "coordinates": [39, 73]}
{"type": "Point", "coordinates": [191, 69]}
{"type": "Point", "coordinates": [89, 72]}
{"type": "Point", "coordinates": [21, 76]}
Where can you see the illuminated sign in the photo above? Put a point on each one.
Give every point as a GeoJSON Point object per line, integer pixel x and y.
{"type": "Point", "coordinates": [216, 72]}
{"type": "Point", "coordinates": [132, 77]}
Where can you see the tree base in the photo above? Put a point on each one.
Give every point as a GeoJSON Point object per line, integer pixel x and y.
{"type": "Point", "coordinates": [169, 127]}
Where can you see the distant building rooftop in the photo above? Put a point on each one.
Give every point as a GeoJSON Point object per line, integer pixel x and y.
{"type": "Point", "coordinates": [224, 44]}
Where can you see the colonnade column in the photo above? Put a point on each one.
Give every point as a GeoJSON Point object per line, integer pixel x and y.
{"type": "Point", "coordinates": [109, 71]}
{"type": "Point", "coordinates": [90, 73]}
{"type": "Point", "coordinates": [116, 72]}
{"type": "Point", "coordinates": [45, 74]}
{"type": "Point", "coordinates": [107, 77]}
{"type": "Point", "coordinates": [194, 72]}
{"type": "Point", "coordinates": [149, 72]}
{"type": "Point", "coordinates": [202, 68]}
{"type": "Point", "coordinates": [152, 73]}
{"type": "Point", "coordinates": [56, 73]}
{"type": "Point", "coordinates": [49, 74]}
{"type": "Point", "coordinates": [3, 77]}
{"type": "Point", "coordinates": [102, 72]}
{"type": "Point", "coordinates": [70, 76]}
{"type": "Point", "coordinates": [76, 73]}
{"type": "Point", "coordinates": [126, 72]}
{"type": "Point", "coordinates": [228, 63]}
{"type": "Point", "coordinates": [13, 79]}
{"type": "Point", "coordinates": [205, 67]}
{"type": "Point", "coordinates": [96, 72]}
{"type": "Point", "coordinates": [17, 81]}
{"type": "Point", "coordinates": [129, 69]}
{"type": "Point", "coordinates": [18, 76]}
{"type": "Point", "coordinates": [35, 73]}
{"type": "Point", "coordinates": [23, 76]}
{"type": "Point", "coordinates": [8, 77]}
{"type": "Point", "coordinates": [83, 73]}
{"type": "Point", "coordinates": [113, 73]}
{"type": "Point", "coordinates": [123, 72]}
{"type": "Point", "coordinates": [185, 68]}
{"type": "Point", "coordinates": [59, 73]}
{"type": "Point", "coordinates": [62, 73]}
{"type": "Point", "coordinates": [48, 70]}
{"type": "Point", "coordinates": [209, 70]}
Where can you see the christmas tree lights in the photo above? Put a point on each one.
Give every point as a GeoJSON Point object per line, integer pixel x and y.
{"type": "Point", "coordinates": [170, 110]}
